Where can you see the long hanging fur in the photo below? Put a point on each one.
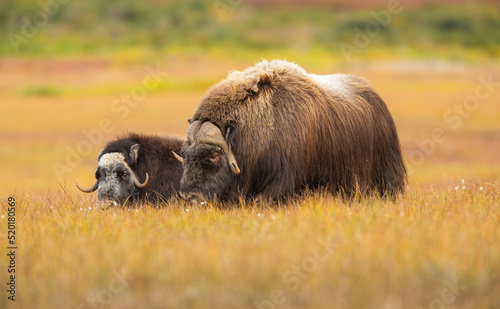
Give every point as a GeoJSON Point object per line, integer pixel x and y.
{"type": "Point", "coordinates": [296, 131]}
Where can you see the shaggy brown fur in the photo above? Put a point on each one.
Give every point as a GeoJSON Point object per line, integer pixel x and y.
{"type": "Point", "coordinates": [156, 159]}
{"type": "Point", "coordinates": [292, 131]}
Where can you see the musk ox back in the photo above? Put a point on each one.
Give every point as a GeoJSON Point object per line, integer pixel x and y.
{"type": "Point", "coordinates": [138, 167]}
{"type": "Point", "coordinates": [273, 130]}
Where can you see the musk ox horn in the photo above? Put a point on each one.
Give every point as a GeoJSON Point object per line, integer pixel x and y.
{"type": "Point", "coordinates": [137, 183]}
{"type": "Point", "coordinates": [178, 157]}
{"type": "Point", "coordinates": [89, 190]}
{"type": "Point", "coordinates": [211, 134]}
{"type": "Point", "coordinates": [193, 130]}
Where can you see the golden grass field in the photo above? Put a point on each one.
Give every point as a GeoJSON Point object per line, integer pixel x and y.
{"type": "Point", "coordinates": [436, 247]}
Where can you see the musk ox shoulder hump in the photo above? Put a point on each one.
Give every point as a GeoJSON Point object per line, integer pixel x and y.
{"type": "Point", "coordinates": [250, 83]}
{"type": "Point", "coordinates": [265, 71]}
{"type": "Point", "coordinates": [345, 85]}
{"type": "Point", "coordinates": [273, 68]}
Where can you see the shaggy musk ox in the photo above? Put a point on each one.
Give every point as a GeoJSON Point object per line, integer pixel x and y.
{"type": "Point", "coordinates": [136, 167]}
{"type": "Point", "coordinates": [274, 130]}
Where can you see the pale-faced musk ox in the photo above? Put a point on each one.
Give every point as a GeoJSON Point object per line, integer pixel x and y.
{"type": "Point", "coordinates": [274, 130]}
{"type": "Point", "coordinates": [137, 167]}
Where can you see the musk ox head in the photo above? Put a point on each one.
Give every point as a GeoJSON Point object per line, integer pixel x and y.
{"type": "Point", "coordinates": [208, 161]}
{"type": "Point", "coordinates": [116, 181]}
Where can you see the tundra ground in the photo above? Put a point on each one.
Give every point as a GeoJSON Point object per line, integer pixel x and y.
{"type": "Point", "coordinates": [437, 247]}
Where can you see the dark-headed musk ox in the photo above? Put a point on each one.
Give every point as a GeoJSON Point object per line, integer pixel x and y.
{"type": "Point", "coordinates": [137, 167]}
{"type": "Point", "coordinates": [274, 130]}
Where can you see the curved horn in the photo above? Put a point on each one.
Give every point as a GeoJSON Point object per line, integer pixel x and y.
{"type": "Point", "coordinates": [89, 190]}
{"type": "Point", "coordinates": [193, 129]}
{"type": "Point", "coordinates": [137, 183]}
{"type": "Point", "coordinates": [211, 134]}
{"type": "Point", "coordinates": [178, 157]}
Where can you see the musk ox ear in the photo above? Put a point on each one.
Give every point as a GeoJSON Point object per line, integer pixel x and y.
{"type": "Point", "coordinates": [229, 133]}
{"type": "Point", "coordinates": [250, 83]}
{"type": "Point", "coordinates": [245, 84]}
{"type": "Point", "coordinates": [134, 153]}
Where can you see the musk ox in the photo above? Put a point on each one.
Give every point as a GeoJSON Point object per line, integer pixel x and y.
{"type": "Point", "coordinates": [136, 167]}
{"type": "Point", "coordinates": [274, 130]}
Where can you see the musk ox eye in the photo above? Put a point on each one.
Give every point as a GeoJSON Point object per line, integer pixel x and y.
{"type": "Point", "coordinates": [214, 157]}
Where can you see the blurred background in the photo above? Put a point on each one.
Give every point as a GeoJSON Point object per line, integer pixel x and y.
{"type": "Point", "coordinates": [75, 74]}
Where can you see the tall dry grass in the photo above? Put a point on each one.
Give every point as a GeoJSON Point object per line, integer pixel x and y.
{"type": "Point", "coordinates": [433, 247]}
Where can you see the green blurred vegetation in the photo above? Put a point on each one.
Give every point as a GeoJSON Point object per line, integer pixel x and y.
{"type": "Point", "coordinates": [165, 85]}
{"type": "Point", "coordinates": [465, 31]}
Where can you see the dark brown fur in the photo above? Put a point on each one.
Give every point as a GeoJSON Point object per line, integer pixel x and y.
{"type": "Point", "coordinates": [293, 135]}
{"type": "Point", "coordinates": [156, 159]}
